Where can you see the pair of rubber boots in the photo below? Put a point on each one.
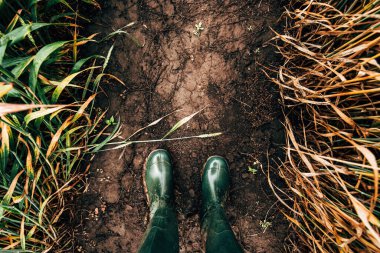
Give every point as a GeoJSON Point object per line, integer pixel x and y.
{"type": "Point", "coordinates": [162, 232]}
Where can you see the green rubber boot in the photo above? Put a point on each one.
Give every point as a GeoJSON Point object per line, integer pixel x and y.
{"type": "Point", "coordinates": [215, 227]}
{"type": "Point", "coordinates": [161, 235]}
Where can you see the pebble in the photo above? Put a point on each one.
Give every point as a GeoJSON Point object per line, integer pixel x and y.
{"type": "Point", "coordinates": [192, 193]}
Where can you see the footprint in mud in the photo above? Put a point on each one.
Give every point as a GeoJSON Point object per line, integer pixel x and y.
{"type": "Point", "coordinates": [219, 70]}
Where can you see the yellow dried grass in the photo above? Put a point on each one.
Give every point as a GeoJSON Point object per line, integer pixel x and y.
{"type": "Point", "coordinates": [330, 89]}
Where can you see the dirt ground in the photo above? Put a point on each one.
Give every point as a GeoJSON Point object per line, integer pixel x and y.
{"type": "Point", "coordinates": [219, 70]}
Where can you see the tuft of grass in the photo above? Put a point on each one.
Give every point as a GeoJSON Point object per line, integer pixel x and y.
{"type": "Point", "coordinates": [47, 121]}
{"type": "Point", "coordinates": [330, 89]}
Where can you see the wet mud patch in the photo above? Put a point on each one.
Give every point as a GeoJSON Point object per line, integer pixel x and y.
{"type": "Point", "coordinates": [218, 72]}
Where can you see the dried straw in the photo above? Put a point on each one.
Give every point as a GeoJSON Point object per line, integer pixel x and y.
{"type": "Point", "coordinates": [330, 89]}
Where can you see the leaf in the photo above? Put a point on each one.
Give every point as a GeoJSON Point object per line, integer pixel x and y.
{"type": "Point", "coordinates": [31, 232]}
{"type": "Point", "coordinates": [14, 21]}
{"type": "Point", "coordinates": [57, 135]}
{"type": "Point", "coordinates": [180, 123]}
{"type": "Point", "coordinates": [61, 86]}
{"type": "Point", "coordinates": [209, 135]}
{"type": "Point", "coordinates": [28, 162]}
{"type": "Point", "coordinates": [80, 112]}
{"type": "Point", "coordinates": [108, 57]}
{"type": "Point", "coordinates": [19, 69]}
{"type": "Point", "coordinates": [22, 233]}
{"type": "Point", "coordinates": [17, 35]}
{"type": "Point", "coordinates": [41, 113]}
{"type": "Point", "coordinates": [13, 61]}
{"type": "Point", "coordinates": [367, 217]}
{"type": "Point", "coordinates": [4, 89]}
{"type": "Point", "coordinates": [4, 152]}
{"type": "Point", "coordinates": [81, 62]}
{"type": "Point", "coordinates": [7, 197]}
{"type": "Point", "coordinates": [6, 108]}
{"type": "Point", "coordinates": [252, 170]}
{"type": "Point", "coordinates": [39, 59]}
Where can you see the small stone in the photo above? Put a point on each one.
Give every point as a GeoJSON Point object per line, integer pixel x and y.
{"type": "Point", "coordinates": [192, 193]}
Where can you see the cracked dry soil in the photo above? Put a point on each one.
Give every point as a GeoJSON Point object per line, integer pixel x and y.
{"type": "Point", "coordinates": [221, 71]}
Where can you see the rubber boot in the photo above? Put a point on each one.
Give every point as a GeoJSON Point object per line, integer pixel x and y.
{"type": "Point", "coordinates": [216, 230]}
{"type": "Point", "coordinates": [161, 235]}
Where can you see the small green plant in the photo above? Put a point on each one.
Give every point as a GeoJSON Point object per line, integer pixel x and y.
{"type": "Point", "coordinates": [255, 167]}
{"type": "Point", "coordinates": [252, 170]}
{"type": "Point", "coordinates": [111, 121]}
{"type": "Point", "coordinates": [264, 224]}
{"type": "Point", "coordinates": [198, 29]}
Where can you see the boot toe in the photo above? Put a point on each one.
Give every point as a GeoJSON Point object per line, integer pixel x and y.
{"type": "Point", "coordinates": [158, 178]}
{"type": "Point", "coordinates": [215, 181]}
{"type": "Point", "coordinates": [217, 163]}
{"type": "Point", "coordinates": [159, 156]}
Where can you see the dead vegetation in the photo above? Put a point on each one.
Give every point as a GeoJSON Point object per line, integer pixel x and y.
{"type": "Point", "coordinates": [330, 91]}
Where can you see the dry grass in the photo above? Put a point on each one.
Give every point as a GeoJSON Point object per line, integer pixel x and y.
{"type": "Point", "coordinates": [330, 88]}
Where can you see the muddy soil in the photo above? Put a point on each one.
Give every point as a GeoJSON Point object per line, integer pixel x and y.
{"type": "Point", "coordinates": [219, 71]}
